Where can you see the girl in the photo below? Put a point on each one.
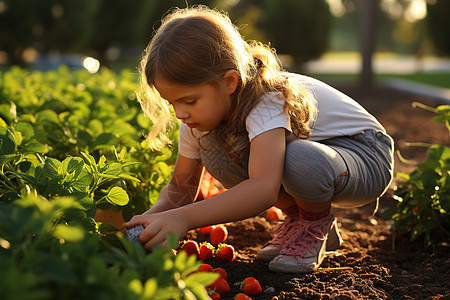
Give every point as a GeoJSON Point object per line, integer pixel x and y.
{"type": "Point", "coordinates": [270, 137]}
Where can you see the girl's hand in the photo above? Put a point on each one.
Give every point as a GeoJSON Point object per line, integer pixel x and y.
{"type": "Point", "coordinates": [158, 226]}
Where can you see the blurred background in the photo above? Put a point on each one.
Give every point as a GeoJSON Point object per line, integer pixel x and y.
{"type": "Point", "coordinates": [349, 39]}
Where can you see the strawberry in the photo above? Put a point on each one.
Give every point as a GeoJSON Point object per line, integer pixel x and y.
{"type": "Point", "coordinates": [242, 296]}
{"type": "Point", "coordinates": [214, 296]}
{"type": "Point", "coordinates": [206, 229]}
{"type": "Point", "coordinates": [222, 272]}
{"type": "Point", "coordinates": [218, 235]}
{"type": "Point", "coordinates": [225, 252]}
{"type": "Point", "coordinates": [251, 286]}
{"type": "Point", "coordinates": [205, 268]}
{"type": "Point", "coordinates": [220, 285]}
{"type": "Point", "coordinates": [191, 248]}
{"type": "Point", "coordinates": [206, 251]}
{"type": "Point", "coordinates": [274, 213]}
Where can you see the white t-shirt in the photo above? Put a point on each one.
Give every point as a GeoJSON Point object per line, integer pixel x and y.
{"type": "Point", "coordinates": [338, 115]}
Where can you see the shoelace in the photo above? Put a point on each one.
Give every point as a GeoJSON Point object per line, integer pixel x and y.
{"type": "Point", "coordinates": [305, 235]}
{"type": "Point", "coordinates": [280, 231]}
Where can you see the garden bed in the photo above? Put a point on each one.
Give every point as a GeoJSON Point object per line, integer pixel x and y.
{"type": "Point", "coordinates": [373, 262]}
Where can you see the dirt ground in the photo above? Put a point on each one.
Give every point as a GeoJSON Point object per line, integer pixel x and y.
{"type": "Point", "coordinates": [373, 262]}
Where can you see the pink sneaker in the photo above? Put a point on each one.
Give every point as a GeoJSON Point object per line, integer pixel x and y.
{"type": "Point", "coordinates": [281, 233]}
{"type": "Point", "coordinates": [304, 250]}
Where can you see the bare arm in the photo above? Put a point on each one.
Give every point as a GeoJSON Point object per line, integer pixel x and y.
{"type": "Point", "coordinates": [251, 196]}
{"type": "Point", "coordinates": [182, 188]}
{"type": "Point", "coordinates": [244, 200]}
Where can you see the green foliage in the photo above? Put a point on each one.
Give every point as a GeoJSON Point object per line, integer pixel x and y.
{"type": "Point", "coordinates": [45, 25]}
{"type": "Point", "coordinates": [71, 143]}
{"type": "Point", "coordinates": [424, 195]}
{"type": "Point", "coordinates": [298, 28]}
{"type": "Point", "coordinates": [78, 132]}
{"type": "Point", "coordinates": [45, 254]}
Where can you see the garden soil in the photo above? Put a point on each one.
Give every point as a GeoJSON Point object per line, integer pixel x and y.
{"type": "Point", "coordinates": [373, 262]}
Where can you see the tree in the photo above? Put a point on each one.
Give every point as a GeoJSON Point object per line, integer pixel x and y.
{"type": "Point", "coordinates": [119, 23]}
{"type": "Point", "coordinates": [45, 25]}
{"type": "Point", "coordinates": [298, 28]}
{"type": "Point", "coordinates": [438, 22]}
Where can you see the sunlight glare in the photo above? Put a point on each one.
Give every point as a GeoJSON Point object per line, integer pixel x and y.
{"type": "Point", "coordinates": [337, 8]}
{"type": "Point", "coordinates": [416, 11]}
{"type": "Point", "coordinates": [91, 64]}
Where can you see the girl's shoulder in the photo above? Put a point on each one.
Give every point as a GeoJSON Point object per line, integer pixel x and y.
{"type": "Point", "coordinates": [305, 80]}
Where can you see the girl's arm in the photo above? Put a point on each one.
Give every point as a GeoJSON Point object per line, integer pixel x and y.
{"type": "Point", "coordinates": [182, 188]}
{"type": "Point", "coordinates": [244, 200]}
{"type": "Point", "coordinates": [251, 196]}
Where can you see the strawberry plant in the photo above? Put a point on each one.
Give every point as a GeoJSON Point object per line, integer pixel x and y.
{"type": "Point", "coordinates": [423, 196]}
{"type": "Point", "coordinates": [46, 254]}
{"type": "Point", "coordinates": [61, 113]}
{"type": "Point", "coordinates": [72, 142]}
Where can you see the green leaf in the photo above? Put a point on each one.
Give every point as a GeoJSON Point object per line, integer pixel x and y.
{"type": "Point", "coordinates": [198, 290]}
{"type": "Point", "coordinates": [129, 177]}
{"type": "Point", "coordinates": [51, 168]}
{"type": "Point", "coordinates": [6, 158]}
{"type": "Point", "coordinates": [25, 129]}
{"type": "Point", "coordinates": [122, 155]}
{"type": "Point", "coordinates": [27, 177]}
{"type": "Point", "coordinates": [32, 147]}
{"type": "Point", "coordinates": [47, 116]}
{"type": "Point", "coordinates": [150, 288]}
{"type": "Point", "coordinates": [82, 181]}
{"type": "Point", "coordinates": [90, 160]}
{"type": "Point", "coordinates": [3, 123]}
{"type": "Point", "coordinates": [113, 169]}
{"type": "Point", "coordinates": [136, 286]}
{"type": "Point", "coordinates": [102, 162]}
{"type": "Point", "coordinates": [7, 112]}
{"type": "Point", "coordinates": [143, 121]}
{"type": "Point", "coordinates": [68, 233]}
{"type": "Point", "coordinates": [72, 164]}
{"type": "Point", "coordinates": [403, 175]}
{"type": "Point", "coordinates": [7, 141]}
{"type": "Point", "coordinates": [117, 196]}
{"type": "Point", "coordinates": [96, 126]}
{"type": "Point", "coordinates": [204, 278]}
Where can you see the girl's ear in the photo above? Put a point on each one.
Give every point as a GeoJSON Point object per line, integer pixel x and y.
{"type": "Point", "coordinates": [231, 80]}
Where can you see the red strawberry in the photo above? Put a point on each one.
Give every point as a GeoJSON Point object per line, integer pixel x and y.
{"type": "Point", "coordinates": [215, 296]}
{"type": "Point", "coordinates": [274, 213]}
{"type": "Point", "coordinates": [242, 296]}
{"type": "Point", "coordinates": [206, 229]}
{"type": "Point", "coordinates": [218, 235]}
{"type": "Point", "coordinates": [251, 286]}
{"type": "Point", "coordinates": [205, 268]}
{"type": "Point", "coordinates": [220, 285]}
{"type": "Point", "coordinates": [191, 248]}
{"type": "Point", "coordinates": [206, 251]}
{"type": "Point", "coordinates": [222, 272]}
{"type": "Point", "coordinates": [226, 252]}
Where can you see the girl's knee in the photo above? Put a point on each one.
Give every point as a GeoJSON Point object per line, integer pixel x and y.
{"type": "Point", "coordinates": [311, 171]}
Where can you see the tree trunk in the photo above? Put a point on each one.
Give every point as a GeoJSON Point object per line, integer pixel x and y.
{"type": "Point", "coordinates": [367, 37]}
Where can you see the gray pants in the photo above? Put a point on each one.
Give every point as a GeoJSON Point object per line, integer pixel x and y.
{"type": "Point", "coordinates": [349, 170]}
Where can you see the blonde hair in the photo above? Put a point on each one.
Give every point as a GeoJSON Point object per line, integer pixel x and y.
{"type": "Point", "coordinates": [199, 45]}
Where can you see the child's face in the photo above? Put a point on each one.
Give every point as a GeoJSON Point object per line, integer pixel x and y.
{"type": "Point", "coordinates": [201, 106]}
